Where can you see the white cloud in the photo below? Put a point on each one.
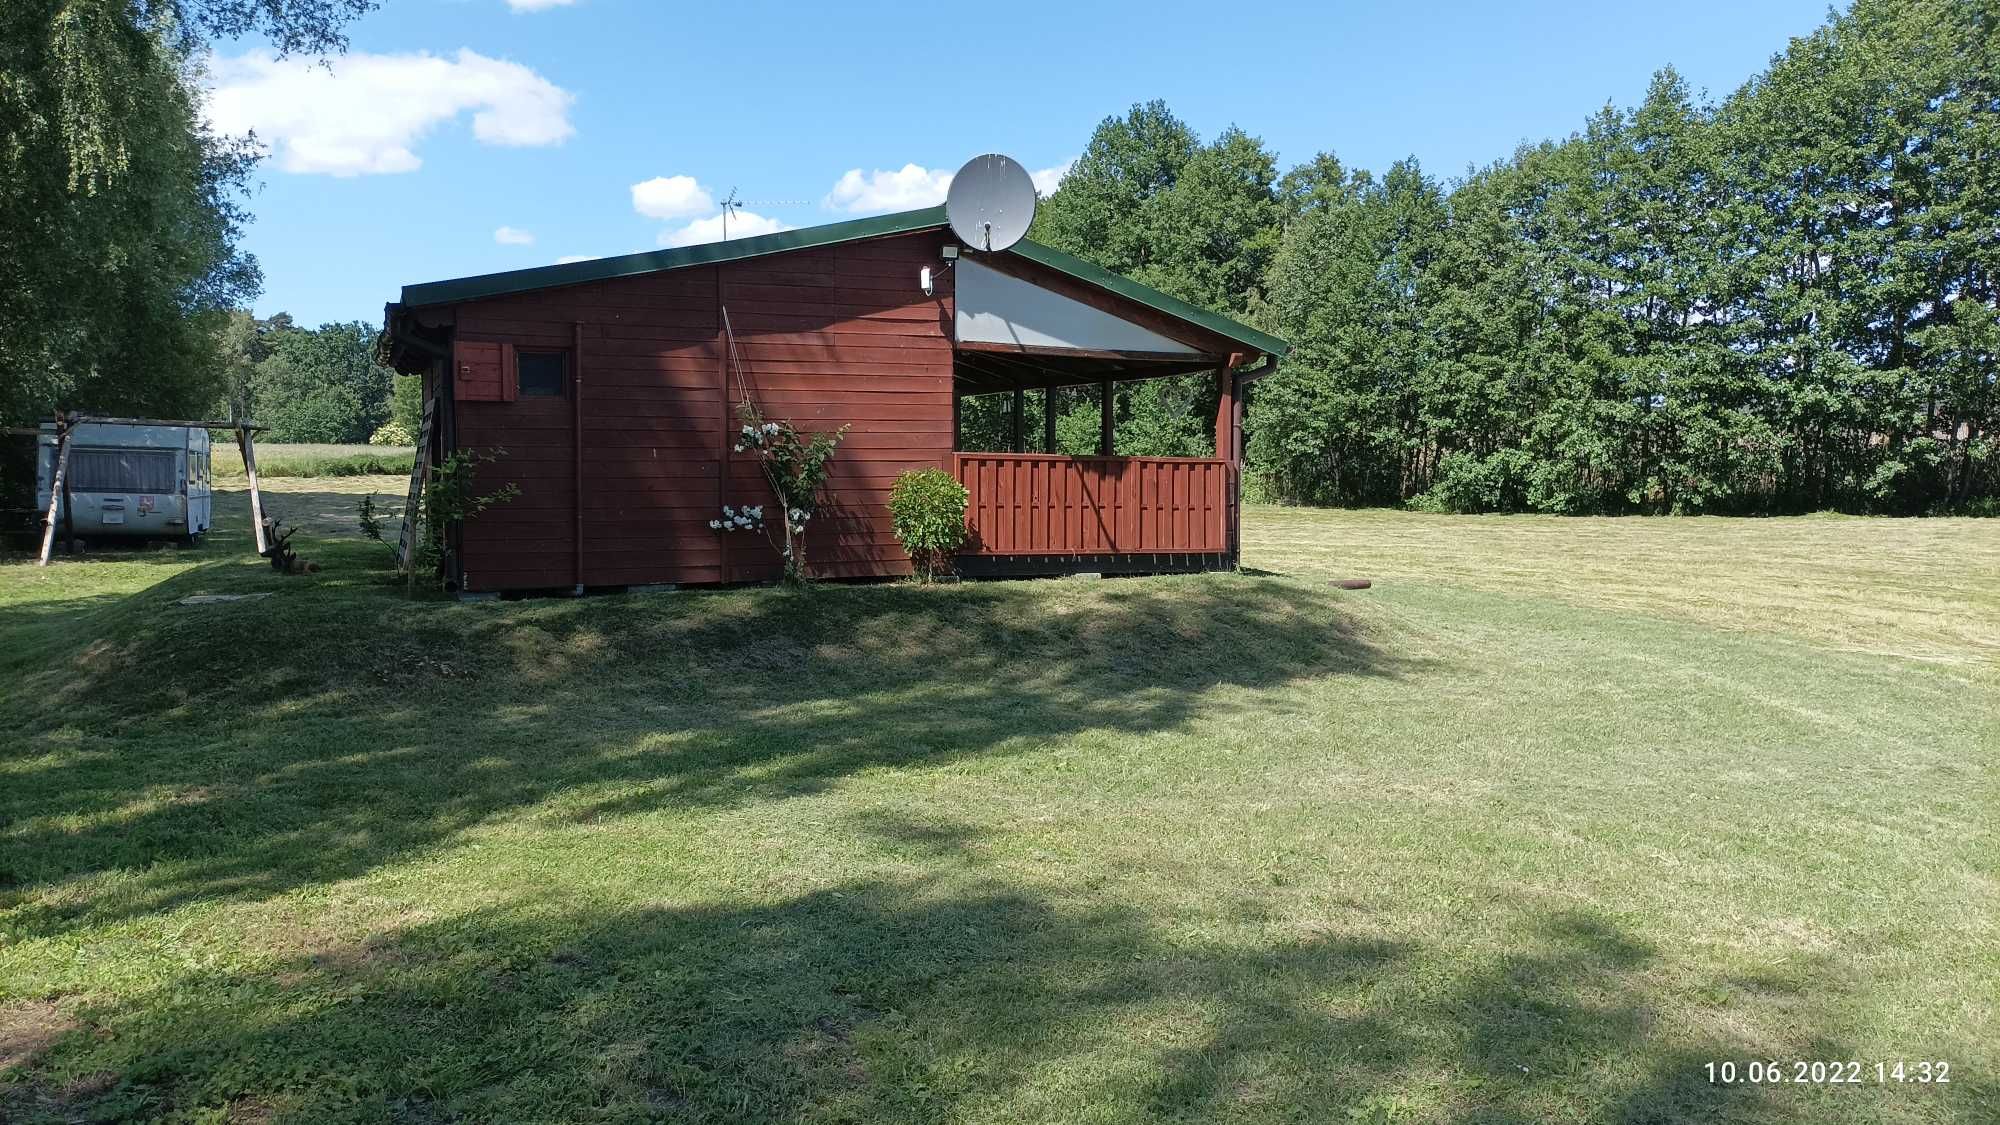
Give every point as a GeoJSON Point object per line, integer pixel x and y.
{"type": "Point", "coordinates": [1048, 179]}
{"type": "Point", "coordinates": [514, 236]}
{"type": "Point", "coordinates": [363, 114]}
{"type": "Point", "coordinates": [671, 197]}
{"type": "Point", "coordinates": [742, 224]}
{"type": "Point", "coordinates": [906, 189]}
{"type": "Point", "coordinates": [538, 5]}
{"type": "Point", "coordinates": [913, 186]}
{"type": "Point", "coordinates": [566, 259]}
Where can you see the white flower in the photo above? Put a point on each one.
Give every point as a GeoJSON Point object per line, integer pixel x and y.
{"type": "Point", "coordinates": [748, 428]}
{"type": "Point", "coordinates": [716, 524]}
{"type": "Point", "coordinates": [796, 513]}
{"type": "Point", "coordinates": [739, 447]}
{"type": "Point", "coordinates": [770, 427]}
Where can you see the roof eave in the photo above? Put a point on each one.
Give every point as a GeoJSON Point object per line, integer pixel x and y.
{"type": "Point", "coordinates": [655, 261]}
{"type": "Point", "coordinates": [1150, 297]}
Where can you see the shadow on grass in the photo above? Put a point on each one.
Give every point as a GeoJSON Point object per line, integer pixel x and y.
{"type": "Point", "coordinates": [917, 1000]}
{"type": "Point", "coordinates": [242, 749]}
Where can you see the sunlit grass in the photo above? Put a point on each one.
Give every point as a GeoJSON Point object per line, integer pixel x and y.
{"type": "Point", "coordinates": [281, 459]}
{"type": "Point", "coordinates": [1555, 814]}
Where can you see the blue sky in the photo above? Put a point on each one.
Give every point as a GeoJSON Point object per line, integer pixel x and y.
{"type": "Point", "coordinates": [519, 140]}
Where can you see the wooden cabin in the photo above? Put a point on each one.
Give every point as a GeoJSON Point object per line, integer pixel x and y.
{"type": "Point", "coordinates": [611, 386]}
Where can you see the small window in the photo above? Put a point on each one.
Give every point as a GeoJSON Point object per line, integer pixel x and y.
{"type": "Point", "coordinates": [541, 374]}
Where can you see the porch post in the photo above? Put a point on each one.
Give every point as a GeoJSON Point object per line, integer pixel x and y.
{"type": "Point", "coordinates": [1104, 431]}
{"type": "Point", "coordinates": [1225, 411]}
{"type": "Point", "coordinates": [1020, 397]}
{"type": "Point", "coordinates": [1227, 448]}
{"type": "Point", "coordinates": [955, 403]}
{"type": "Point", "coordinates": [1048, 420]}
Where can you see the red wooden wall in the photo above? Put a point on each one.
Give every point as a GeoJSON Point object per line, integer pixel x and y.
{"type": "Point", "coordinates": [831, 336]}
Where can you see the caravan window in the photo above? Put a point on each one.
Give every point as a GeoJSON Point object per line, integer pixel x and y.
{"type": "Point", "coordinates": [122, 470]}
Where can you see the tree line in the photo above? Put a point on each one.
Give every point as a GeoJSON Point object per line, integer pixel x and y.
{"type": "Point", "coordinates": [1783, 301]}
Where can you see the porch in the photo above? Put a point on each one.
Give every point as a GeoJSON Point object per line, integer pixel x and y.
{"type": "Point", "coordinates": [1038, 511]}
{"type": "Point", "coordinates": [1042, 324]}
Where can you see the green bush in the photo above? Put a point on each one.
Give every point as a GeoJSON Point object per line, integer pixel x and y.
{"type": "Point", "coordinates": [927, 510]}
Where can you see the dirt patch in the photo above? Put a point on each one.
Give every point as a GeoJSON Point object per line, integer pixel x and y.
{"type": "Point", "coordinates": [28, 1028]}
{"type": "Point", "coordinates": [251, 1111]}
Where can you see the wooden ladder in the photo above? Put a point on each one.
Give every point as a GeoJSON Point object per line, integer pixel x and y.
{"type": "Point", "coordinates": [406, 540]}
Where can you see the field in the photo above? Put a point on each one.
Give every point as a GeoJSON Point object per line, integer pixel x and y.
{"type": "Point", "coordinates": [1556, 815]}
{"type": "Point", "coordinates": [278, 459]}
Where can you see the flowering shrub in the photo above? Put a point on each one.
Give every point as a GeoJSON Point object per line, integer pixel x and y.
{"type": "Point", "coordinates": [749, 519]}
{"type": "Point", "coordinates": [927, 511]}
{"type": "Point", "coordinates": [795, 465]}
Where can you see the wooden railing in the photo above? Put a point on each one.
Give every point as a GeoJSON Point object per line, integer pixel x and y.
{"type": "Point", "coordinates": [1040, 504]}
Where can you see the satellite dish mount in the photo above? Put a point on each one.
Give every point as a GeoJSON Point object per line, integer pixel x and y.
{"type": "Point", "coordinates": [991, 202]}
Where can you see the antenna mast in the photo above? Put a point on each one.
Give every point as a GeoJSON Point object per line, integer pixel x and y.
{"type": "Point", "coordinates": [732, 203]}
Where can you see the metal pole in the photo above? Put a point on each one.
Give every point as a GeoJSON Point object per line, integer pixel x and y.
{"type": "Point", "coordinates": [1104, 429]}
{"type": "Point", "coordinates": [576, 440]}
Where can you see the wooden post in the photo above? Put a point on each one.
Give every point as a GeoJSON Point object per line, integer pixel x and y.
{"type": "Point", "coordinates": [58, 488]}
{"type": "Point", "coordinates": [1229, 447]}
{"type": "Point", "coordinates": [1020, 397]}
{"type": "Point", "coordinates": [1104, 413]}
{"type": "Point", "coordinates": [248, 445]}
{"type": "Point", "coordinates": [957, 429]}
{"type": "Point", "coordinates": [1048, 420]}
{"type": "Point", "coordinates": [1225, 411]}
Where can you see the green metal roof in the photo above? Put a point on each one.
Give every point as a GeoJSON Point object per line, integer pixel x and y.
{"type": "Point", "coordinates": [709, 253]}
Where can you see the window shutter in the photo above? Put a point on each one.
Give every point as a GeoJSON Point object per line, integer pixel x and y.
{"type": "Point", "coordinates": [510, 373]}
{"type": "Point", "coordinates": [477, 372]}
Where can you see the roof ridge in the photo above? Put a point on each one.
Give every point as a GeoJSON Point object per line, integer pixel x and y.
{"type": "Point", "coordinates": [509, 282]}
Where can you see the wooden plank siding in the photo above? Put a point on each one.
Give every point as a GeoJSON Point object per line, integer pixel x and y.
{"type": "Point", "coordinates": [828, 336]}
{"type": "Point", "coordinates": [1039, 504]}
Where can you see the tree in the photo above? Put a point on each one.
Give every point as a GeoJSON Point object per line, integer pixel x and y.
{"type": "Point", "coordinates": [1782, 302]}
{"type": "Point", "coordinates": [120, 209]}
{"type": "Point", "coordinates": [1197, 221]}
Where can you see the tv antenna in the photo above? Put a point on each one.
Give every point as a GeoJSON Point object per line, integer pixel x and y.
{"type": "Point", "coordinates": [731, 204]}
{"type": "Point", "coordinates": [991, 202]}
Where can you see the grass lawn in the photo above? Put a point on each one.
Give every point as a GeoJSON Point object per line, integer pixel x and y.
{"type": "Point", "coordinates": [1559, 812]}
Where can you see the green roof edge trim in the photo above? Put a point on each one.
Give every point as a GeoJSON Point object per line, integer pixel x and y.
{"type": "Point", "coordinates": [710, 253]}
{"type": "Point", "coordinates": [656, 261]}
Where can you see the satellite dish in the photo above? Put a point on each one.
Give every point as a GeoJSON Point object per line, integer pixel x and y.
{"type": "Point", "coordinates": [991, 202]}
